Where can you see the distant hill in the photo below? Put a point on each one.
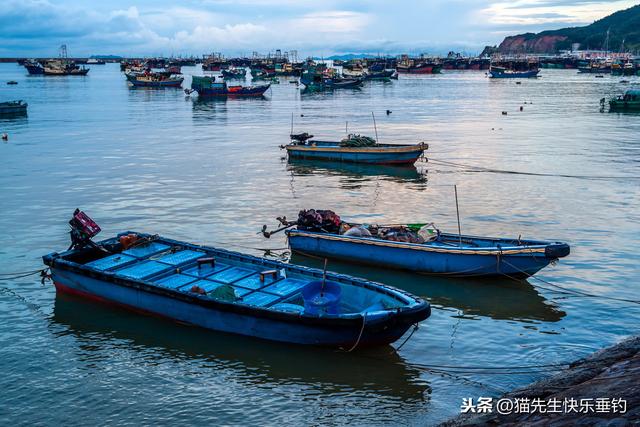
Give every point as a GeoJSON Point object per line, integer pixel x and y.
{"type": "Point", "coordinates": [622, 25]}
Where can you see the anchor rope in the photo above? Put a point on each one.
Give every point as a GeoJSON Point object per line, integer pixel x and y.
{"type": "Point", "coordinates": [364, 321]}
{"type": "Point", "coordinates": [13, 276]}
{"type": "Point", "coordinates": [573, 292]}
{"type": "Point", "coordinates": [415, 328]}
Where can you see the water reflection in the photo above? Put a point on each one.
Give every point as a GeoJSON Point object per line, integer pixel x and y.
{"type": "Point", "coordinates": [356, 172]}
{"type": "Point", "coordinates": [496, 298]}
{"type": "Point", "coordinates": [380, 371]}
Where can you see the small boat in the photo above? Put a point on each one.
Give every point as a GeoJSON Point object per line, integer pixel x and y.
{"type": "Point", "coordinates": [419, 248]}
{"type": "Point", "coordinates": [151, 79]}
{"type": "Point", "coordinates": [209, 86]}
{"type": "Point", "coordinates": [420, 68]}
{"type": "Point", "coordinates": [13, 108]}
{"type": "Point", "coordinates": [231, 292]}
{"type": "Point", "coordinates": [234, 73]}
{"type": "Point", "coordinates": [379, 75]}
{"type": "Point", "coordinates": [96, 61]}
{"type": "Point", "coordinates": [503, 73]}
{"type": "Point", "coordinates": [319, 78]}
{"type": "Point", "coordinates": [12, 82]}
{"type": "Point", "coordinates": [355, 148]}
{"type": "Point", "coordinates": [629, 101]}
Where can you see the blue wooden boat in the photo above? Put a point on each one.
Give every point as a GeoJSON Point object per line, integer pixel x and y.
{"type": "Point", "coordinates": [210, 87]}
{"type": "Point", "coordinates": [400, 247]}
{"type": "Point", "coordinates": [13, 108]}
{"type": "Point", "coordinates": [231, 292]}
{"type": "Point", "coordinates": [302, 147]}
{"type": "Point", "coordinates": [157, 80]}
{"type": "Point", "coordinates": [503, 73]}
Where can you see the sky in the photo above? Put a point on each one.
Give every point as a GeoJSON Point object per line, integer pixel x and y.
{"type": "Point", "coordinates": [318, 27]}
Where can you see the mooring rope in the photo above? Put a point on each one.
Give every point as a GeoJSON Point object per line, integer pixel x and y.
{"type": "Point", "coordinates": [573, 292]}
{"type": "Point", "coordinates": [513, 172]}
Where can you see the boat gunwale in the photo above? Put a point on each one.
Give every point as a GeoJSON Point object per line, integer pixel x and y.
{"type": "Point", "coordinates": [535, 248]}
{"type": "Point", "coordinates": [408, 313]}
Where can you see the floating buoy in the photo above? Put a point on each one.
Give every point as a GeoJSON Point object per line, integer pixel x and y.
{"type": "Point", "coordinates": [301, 115]}
{"type": "Point", "coordinates": [389, 112]}
{"type": "Point", "coordinates": [518, 83]}
{"type": "Point", "coordinates": [521, 108]}
{"type": "Point", "coordinates": [5, 137]}
{"type": "Point", "coordinates": [504, 113]}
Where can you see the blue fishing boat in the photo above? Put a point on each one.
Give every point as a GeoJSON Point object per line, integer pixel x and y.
{"type": "Point", "coordinates": [303, 147]}
{"type": "Point", "coordinates": [419, 248]}
{"type": "Point", "coordinates": [11, 108]}
{"type": "Point", "coordinates": [210, 87]}
{"type": "Point", "coordinates": [503, 73]}
{"type": "Point", "coordinates": [231, 292]}
{"type": "Point", "coordinates": [155, 80]}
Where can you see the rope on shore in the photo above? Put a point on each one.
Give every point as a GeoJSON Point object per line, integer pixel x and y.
{"type": "Point", "coordinates": [475, 168]}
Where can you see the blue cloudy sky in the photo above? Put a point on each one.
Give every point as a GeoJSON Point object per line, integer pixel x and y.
{"type": "Point", "coordinates": [320, 27]}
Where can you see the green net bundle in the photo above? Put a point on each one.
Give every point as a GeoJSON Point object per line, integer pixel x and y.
{"type": "Point", "coordinates": [358, 141]}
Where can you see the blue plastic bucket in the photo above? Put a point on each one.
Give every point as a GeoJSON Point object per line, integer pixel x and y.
{"type": "Point", "coordinates": [319, 300]}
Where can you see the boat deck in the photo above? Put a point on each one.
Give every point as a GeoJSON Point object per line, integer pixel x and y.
{"type": "Point", "coordinates": [157, 263]}
{"type": "Point", "coordinates": [175, 266]}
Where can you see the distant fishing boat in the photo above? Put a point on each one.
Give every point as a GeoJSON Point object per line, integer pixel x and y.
{"type": "Point", "coordinates": [320, 78]}
{"type": "Point", "coordinates": [210, 87]}
{"type": "Point", "coordinates": [630, 101]}
{"type": "Point", "coordinates": [13, 108]}
{"type": "Point", "coordinates": [231, 292]}
{"type": "Point", "coordinates": [419, 248]}
{"type": "Point", "coordinates": [354, 149]}
{"type": "Point", "coordinates": [63, 67]}
{"type": "Point", "coordinates": [379, 75]}
{"type": "Point", "coordinates": [503, 73]}
{"type": "Point", "coordinates": [150, 79]}
{"type": "Point", "coordinates": [34, 67]}
{"type": "Point", "coordinates": [419, 68]}
{"type": "Point", "coordinates": [234, 73]}
{"type": "Point", "coordinates": [96, 61]}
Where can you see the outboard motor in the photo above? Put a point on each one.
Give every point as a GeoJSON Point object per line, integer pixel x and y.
{"type": "Point", "coordinates": [83, 229]}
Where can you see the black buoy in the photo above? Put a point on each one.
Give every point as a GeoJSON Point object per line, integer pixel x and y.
{"type": "Point", "coordinates": [521, 108]}
{"type": "Point", "coordinates": [504, 113]}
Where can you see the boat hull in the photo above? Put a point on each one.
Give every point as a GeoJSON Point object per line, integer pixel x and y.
{"type": "Point", "coordinates": [13, 109]}
{"type": "Point", "coordinates": [250, 317]}
{"type": "Point", "coordinates": [34, 69]}
{"type": "Point", "coordinates": [425, 69]}
{"type": "Point", "coordinates": [148, 303]}
{"type": "Point", "coordinates": [514, 75]}
{"type": "Point", "coordinates": [417, 258]}
{"type": "Point", "coordinates": [402, 155]}
{"type": "Point", "coordinates": [253, 91]}
{"type": "Point", "coordinates": [142, 83]}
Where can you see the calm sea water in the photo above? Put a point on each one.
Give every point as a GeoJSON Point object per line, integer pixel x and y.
{"type": "Point", "coordinates": [213, 172]}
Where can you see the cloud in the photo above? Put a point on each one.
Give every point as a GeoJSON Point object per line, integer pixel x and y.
{"type": "Point", "coordinates": [37, 27]}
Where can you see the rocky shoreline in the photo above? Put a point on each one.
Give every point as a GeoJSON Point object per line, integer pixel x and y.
{"type": "Point", "coordinates": [601, 389]}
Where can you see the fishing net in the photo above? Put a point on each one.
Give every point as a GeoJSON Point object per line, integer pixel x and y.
{"type": "Point", "coordinates": [358, 141]}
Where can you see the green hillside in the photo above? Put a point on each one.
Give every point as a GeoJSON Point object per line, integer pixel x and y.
{"type": "Point", "coordinates": [622, 25]}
